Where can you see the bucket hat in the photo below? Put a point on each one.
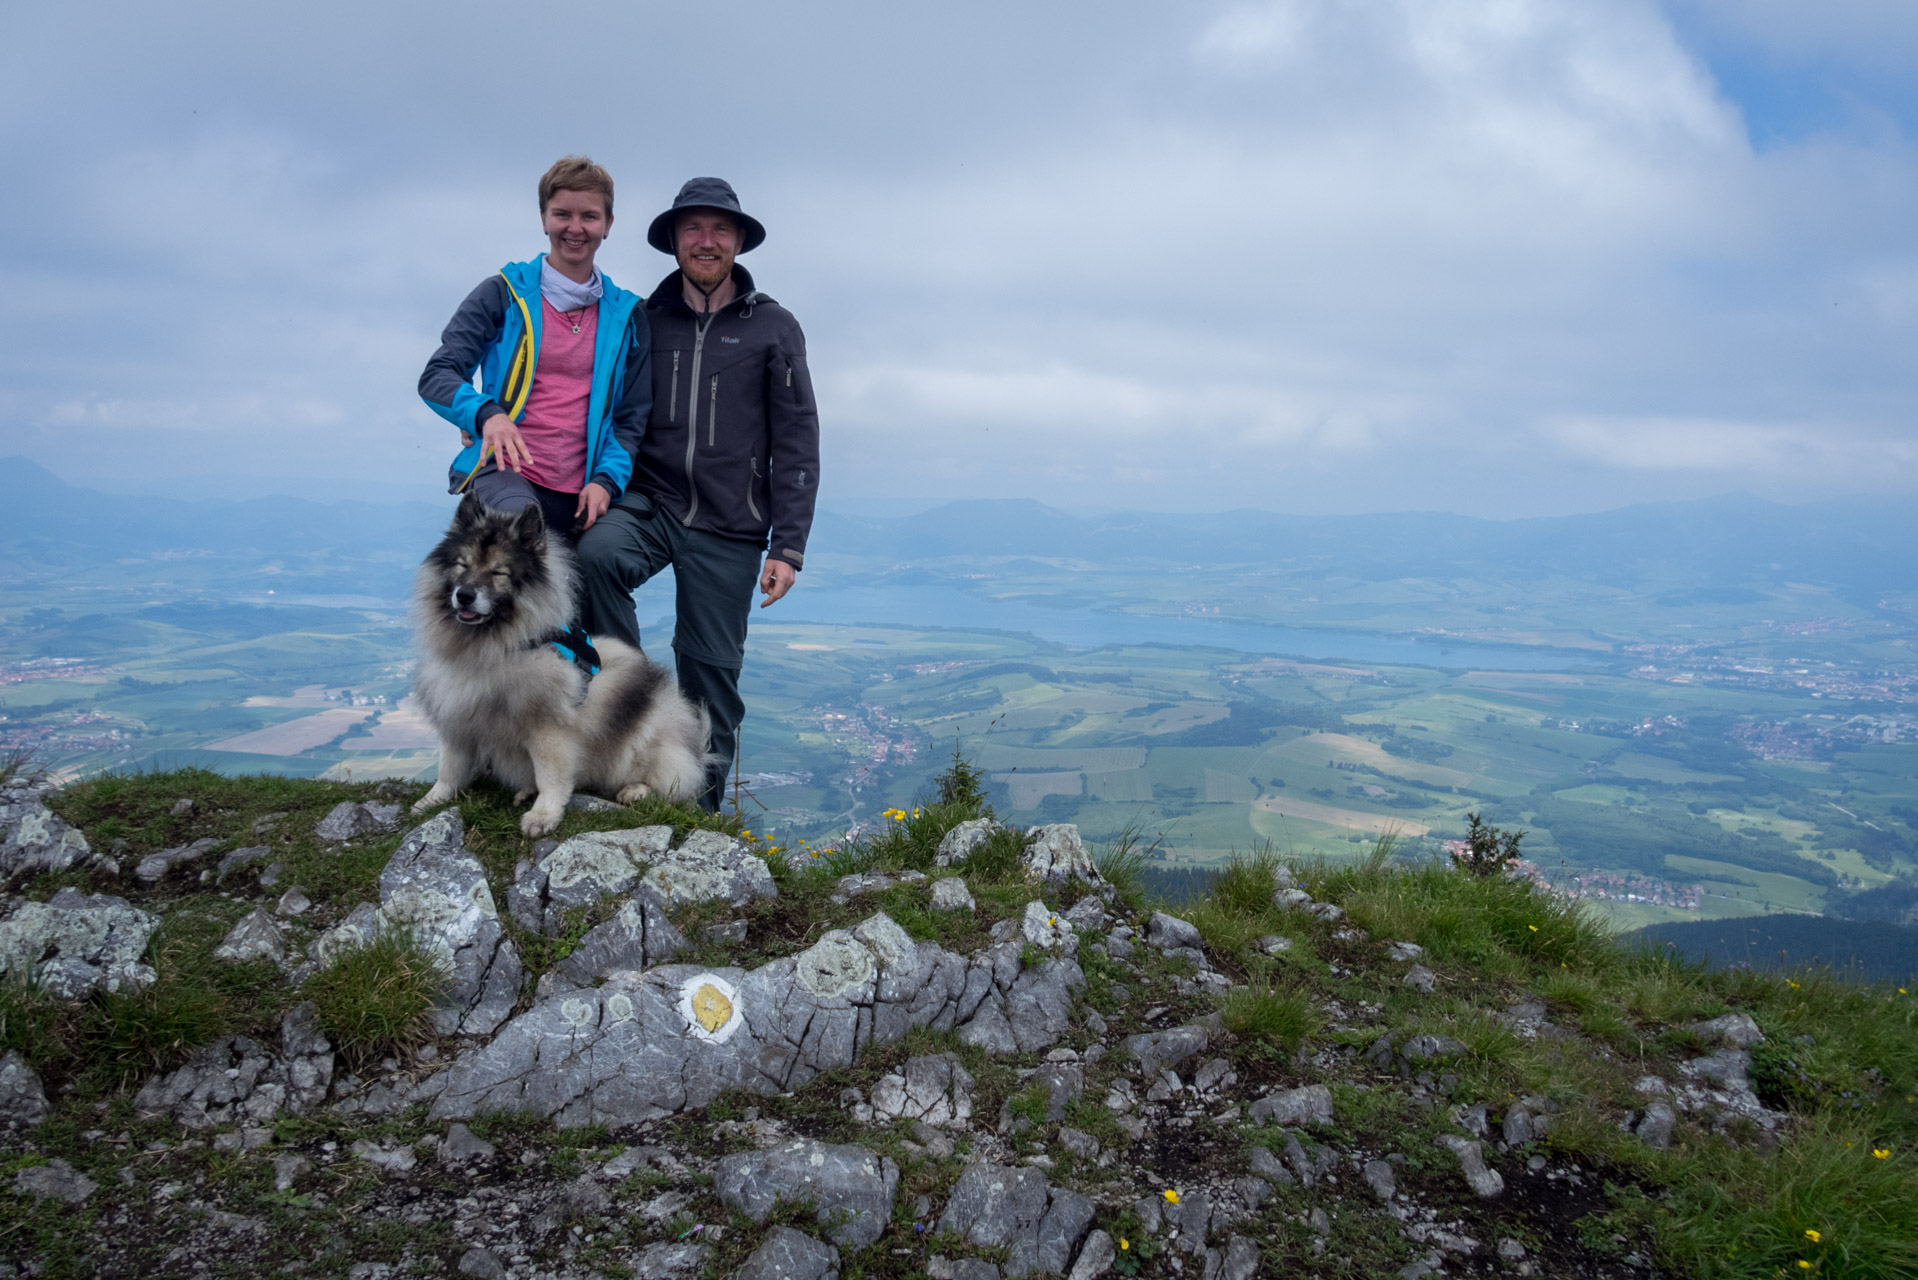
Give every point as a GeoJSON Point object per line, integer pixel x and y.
{"type": "Point", "coordinates": [705, 193]}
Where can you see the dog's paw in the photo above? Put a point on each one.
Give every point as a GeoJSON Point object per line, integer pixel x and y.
{"type": "Point", "coordinates": [536, 822]}
{"type": "Point", "coordinates": [439, 795]}
{"type": "Point", "coordinates": [521, 797]}
{"type": "Point", "coordinates": [638, 791]}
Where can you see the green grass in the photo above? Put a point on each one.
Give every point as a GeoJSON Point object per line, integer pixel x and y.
{"type": "Point", "coordinates": [1272, 1015]}
{"type": "Point", "coordinates": [376, 998]}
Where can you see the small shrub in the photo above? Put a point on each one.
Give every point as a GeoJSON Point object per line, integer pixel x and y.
{"type": "Point", "coordinates": [375, 998]}
{"type": "Point", "coordinates": [1488, 851]}
{"type": "Point", "coordinates": [963, 785]}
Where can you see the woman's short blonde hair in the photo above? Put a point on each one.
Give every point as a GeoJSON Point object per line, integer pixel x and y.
{"type": "Point", "coordinates": [576, 173]}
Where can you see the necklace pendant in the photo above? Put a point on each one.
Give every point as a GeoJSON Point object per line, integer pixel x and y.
{"type": "Point", "coordinates": [575, 328]}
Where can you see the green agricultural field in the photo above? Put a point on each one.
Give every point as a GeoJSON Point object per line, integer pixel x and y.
{"type": "Point", "coordinates": [1656, 798]}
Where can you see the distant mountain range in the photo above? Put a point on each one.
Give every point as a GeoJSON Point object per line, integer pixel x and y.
{"type": "Point", "coordinates": [1702, 552]}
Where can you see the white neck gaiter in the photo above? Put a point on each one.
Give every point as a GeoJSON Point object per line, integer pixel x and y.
{"type": "Point", "coordinates": [567, 295]}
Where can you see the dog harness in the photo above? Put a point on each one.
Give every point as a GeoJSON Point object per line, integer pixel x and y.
{"type": "Point", "coordinates": [575, 646]}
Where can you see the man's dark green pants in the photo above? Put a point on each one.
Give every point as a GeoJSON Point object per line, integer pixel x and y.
{"type": "Point", "coordinates": [715, 578]}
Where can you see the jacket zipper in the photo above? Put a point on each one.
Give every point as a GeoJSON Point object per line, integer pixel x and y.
{"type": "Point", "coordinates": [750, 486]}
{"type": "Point", "coordinates": [692, 413]}
{"type": "Point", "coordinates": [712, 415]}
{"type": "Point", "coordinates": [672, 401]}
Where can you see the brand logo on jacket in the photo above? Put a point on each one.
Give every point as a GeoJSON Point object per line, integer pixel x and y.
{"type": "Point", "coordinates": [734, 341]}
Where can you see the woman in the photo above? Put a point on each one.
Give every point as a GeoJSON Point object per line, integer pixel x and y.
{"type": "Point", "coordinates": [564, 360]}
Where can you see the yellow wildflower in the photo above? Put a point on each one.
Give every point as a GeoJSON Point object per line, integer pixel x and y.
{"type": "Point", "coordinates": [1171, 1196]}
{"type": "Point", "coordinates": [1804, 1264]}
{"type": "Point", "coordinates": [1882, 1153]}
{"type": "Point", "coordinates": [1124, 1243]}
{"type": "Point", "coordinates": [1532, 927]}
{"type": "Point", "coordinates": [1812, 1236]}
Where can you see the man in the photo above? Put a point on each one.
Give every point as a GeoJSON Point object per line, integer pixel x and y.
{"type": "Point", "coordinates": [727, 469]}
{"type": "Point", "coordinates": [563, 355]}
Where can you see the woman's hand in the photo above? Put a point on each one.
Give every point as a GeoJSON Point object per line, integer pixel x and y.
{"type": "Point", "coordinates": [502, 434]}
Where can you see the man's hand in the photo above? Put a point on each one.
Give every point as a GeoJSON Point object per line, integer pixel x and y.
{"type": "Point", "coordinates": [593, 502]}
{"type": "Point", "coordinates": [502, 433]}
{"type": "Point", "coordinates": [775, 580]}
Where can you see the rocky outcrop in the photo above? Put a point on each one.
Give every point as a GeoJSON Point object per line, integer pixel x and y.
{"type": "Point", "coordinates": [596, 865]}
{"type": "Point", "coordinates": [240, 1081]}
{"type": "Point", "coordinates": [648, 1044]}
{"type": "Point", "coordinates": [33, 838]}
{"type": "Point", "coordinates": [637, 937]}
{"type": "Point", "coordinates": [437, 891]}
{"type": "Point", "coordinates": [786, 1254]}
{"type": "Point", "coordinates": [934, 1089]}
{"type": "Point", "coordinates": [850, 1189]}
{"type": "Point", "coordinates": [76, 943]}
{"type": "Point", "coordinates": [1055, 853]}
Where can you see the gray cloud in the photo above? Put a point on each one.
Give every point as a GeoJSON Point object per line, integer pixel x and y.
{"type": "Point", "coordinates": [1303, 255]}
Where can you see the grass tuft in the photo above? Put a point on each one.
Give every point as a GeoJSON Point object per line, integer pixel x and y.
{"type": "Point", "coordinates": [375, 999]}
{"type": "Point", "coordinates": [1278, 1017]}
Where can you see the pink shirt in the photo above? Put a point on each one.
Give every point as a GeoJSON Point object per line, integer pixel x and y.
{"type": "Point", "coordinates": [554, 423]}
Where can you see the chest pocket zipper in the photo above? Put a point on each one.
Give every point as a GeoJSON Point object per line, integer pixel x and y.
{"type": "Point", "coordinates": [750, 486]}
{"type": "Point", "coordinates": [712, 415]}
{"type": "Point", "coordinates": [672, 400]}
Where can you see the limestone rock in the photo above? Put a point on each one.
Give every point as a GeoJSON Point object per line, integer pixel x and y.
{"type": "Point", "coordinates": [1311, 1104]}
{"type": "Point", "coordinates": [860, 884]}
{"type": "Point", "coordinates": [709, 865]}
{"type": "Point", "coordinates": [1427, 1047]}
{"type": "Point", "coordinates": [349, 821]}
{"type": "Point", "coordinates": [153, 868]}
{"type": "Point", "coordinates": [1268, 1166]}
{"type": "Point", "coordinates": [1160, 1050]}
{"type": "Point", "coordinates": [1420, 979]}
{"type": "Point", "coordinates": [237, 1080]}
{"type": "Point", "coordinates": [1517, 1128]}
{"type": "Point", "coordinates": [1486, 1183]}
{"type": "Point", "coordinates": [1380, 1177]}
{"type": "Point", "coordinates": [1738, 1030]}
{"type": "Point", "coordinates": [1403, 951]}
{"type": "Point", "coordinates": [1056, 854]}
{"type": "Point", "coordinates": [649, 1044]}
{"type": "Point", "coordinates": [639, 935]}
{"type": "Point", "coordinates": [483, 1263]}
{"type": "Point", "coordinates": [241, 858]}
{"type": "Point", "coordinates": [461, 1144]}
{"type": "Point", "coordinates": [33, 838]}
{"type": "Point", "coordinates": [55, 1180]}
{"type": "Point", "coordinates": [1655, 1130]}
{"type": "Point", "coordinates": [23, 1101]}
{"type": "Point", "coordinates": [1169, 932]}
{"type": "Point", "coordinates": [849, 1187]}
{"type": "Point", "coordinates": [77, 943]}
{"type": "Point", "coordinates": [1045, 928]}
{"type": "Point", "coordinates": [964, 840]}
{"type": "Point", "coordinates": [389, 1159]}
{"type": "Point", "coordinates": [786, 1254]}
{"type": "Point", "coordinates": [996, 1206]}
{"type": "Point", "coordinates": [1095, 1257]}
{"type": "Point", "coordinates": [951, 894]}
{"type": "Point", "coordinates": [933, 1088]}
{"type": "Point", "coordinates": [256, 937]}
{"type": "Point", "coordinates": [1241, 1261]}
{"type": "Point", "coordinates": [578, 872]}
{"type": "Point", "coordinates": [435, 889]}
{"type": "Point", "coordinates": [670, 1261]}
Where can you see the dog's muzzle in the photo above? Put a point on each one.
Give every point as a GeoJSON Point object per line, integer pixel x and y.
{"type": "Point", "coordinates": [471, 605]}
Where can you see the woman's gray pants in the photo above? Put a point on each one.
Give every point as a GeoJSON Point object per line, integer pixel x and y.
{"type": "Point", "coordinates": [715, 577]}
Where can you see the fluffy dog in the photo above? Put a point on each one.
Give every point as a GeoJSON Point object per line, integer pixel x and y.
{"type": "Point", "coordinates": [488, 603]}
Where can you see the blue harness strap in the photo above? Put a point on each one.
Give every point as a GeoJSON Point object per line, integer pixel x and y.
{"type": "Point", "coordinates": [576, 647]}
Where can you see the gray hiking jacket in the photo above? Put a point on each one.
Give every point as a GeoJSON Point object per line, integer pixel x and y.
{"type": "Point", "coordinates": [732, 444]}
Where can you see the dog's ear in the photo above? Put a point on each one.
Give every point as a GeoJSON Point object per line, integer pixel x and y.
{"type": "Point", "coordinates": [467, 518]}
{"type": "Point", "coordinates": [530, 528]}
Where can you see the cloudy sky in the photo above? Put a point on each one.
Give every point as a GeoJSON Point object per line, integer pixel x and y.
{"type": "Point", "coordinates": [1500, 256]}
